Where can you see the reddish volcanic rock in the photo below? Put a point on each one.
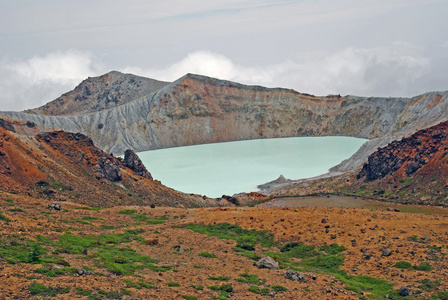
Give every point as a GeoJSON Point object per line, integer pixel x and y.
{"type": "Point", "coordinates": [414, 169]}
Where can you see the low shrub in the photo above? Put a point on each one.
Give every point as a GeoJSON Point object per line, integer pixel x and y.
{"type": "Point", "coordinates": [207, 254]}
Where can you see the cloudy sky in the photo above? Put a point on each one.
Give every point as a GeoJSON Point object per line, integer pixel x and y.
{"type": "Point", "coordinates": [366, 48]}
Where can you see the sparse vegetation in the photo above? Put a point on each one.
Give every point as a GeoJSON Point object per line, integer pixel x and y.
{"type": "Point", "coordinates": [171, 283]}
{"type": "Point", "coordinates": [127, 211]}
{"type": "Point", "coordinates": [207, 254]}
{"type": "Point", "coordinates": [38, 289]}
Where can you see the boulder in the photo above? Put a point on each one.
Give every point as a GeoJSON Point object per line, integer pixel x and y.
{"type": "Point", "coordinates": [293, 275]}
{"type": "Point", "coordinates": [133, 162]}
{"type": "Point", "coordinates": [268, 263]}
{"type": "Point", "coordinates": [108, 169]}
{"type": "Point", "coordinates": [404, 291]}
{"type": "Point", "coordinates": [55, 206]}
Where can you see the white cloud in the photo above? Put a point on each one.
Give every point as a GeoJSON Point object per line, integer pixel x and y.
{"type": "Point", "coordinates": [382, 71]}
{"type": "Point", "coordinates": [394, 70]}
{"type": "Point", "coordinates": [41, 79]}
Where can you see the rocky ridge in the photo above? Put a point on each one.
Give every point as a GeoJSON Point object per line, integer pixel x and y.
{"type": "Point", "coordinates": [197, 109]}
{"type": "Point", "coordinates": [61, 166]}
{"type": "Point", "coordinates": [412, 170]}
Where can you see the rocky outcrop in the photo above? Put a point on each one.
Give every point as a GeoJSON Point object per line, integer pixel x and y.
{"type": "Point", "coordinates": [411, 170]}
{"type": "Point", "coordinates": [133, 162]}
{"type": "Point", "coordinates": [61, 166]}
{"type": "Point", "coordinates": [197, 109]}
{"type": "Point", "coordinates": [110, 170]}
{"type": "Point", "coordinates": [408, 155]}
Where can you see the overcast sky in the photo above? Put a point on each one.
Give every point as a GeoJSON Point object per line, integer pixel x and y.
{"type": "Point", "coordinates": [366, 48]}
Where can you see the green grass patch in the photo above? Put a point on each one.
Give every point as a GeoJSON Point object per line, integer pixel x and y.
{"type": "Point", "coordinates": [54, 272]}
{"type": "Point", "coordinates": [403, 265]}
{"type": "Point", "coordinates": [187, 297]}
{"type": "Point", "coordinates": [127, 211]}
{"type": "Point", "coordinates": [139, 285]}
{"type": "Point", "coordinates": [424, 266]}
{"type": "Point", "coordinates": [259, 290]}
{"type": "Point", "coordinates": [360, 284]}
{"type": "Point", "coordinates": [83, 222]}
{"type": "Point", "coordinates": [236, 233]}
{"type": "Point", "coordinates": [16, 210]}
{"type": "Point", "coordinates": [106, 254]}
{"type": "Point", "coordinates": [107, 227]}
{"type": "Point", "coordinates": [38, 289]}
{"type": "Point", "coordinates": [15, 249]}
{"type": "Point", "coordinates": [3, 217]}
{"type": "Point", "coordinates": [428, 285]}
{"type": "Point", "coordinates": [332, 249]}
{"type": "Point", "coordinates": [171, 283]}
{"type": "Point", "coordinates": [330, 263]}
{"type": "Point", "coordinates": [88, 208]}
{"type": "Point", "coordinates": [298, 250]}
{"type": "Point", "coordinates": [278, 288]}
{"type": "Point", "coordinates": [8, 200]}
{"type": "Point", "coordinates": [224, 290]}
{"type": "Point", "coordinates": [250, 279]}
{"type": "Point", "coordinates": [60, 186]}
{"type": "Point", "coordinates": [441, 295]}
{"type": "Point", "coordinates": [207, 254]}
{"type": "Point", "coordinates": [219, 278]}
{"type": "Point", "coordinates": [197, 287]}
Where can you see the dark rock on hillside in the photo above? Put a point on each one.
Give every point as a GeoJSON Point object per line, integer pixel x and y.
{"type": "Point", "coordinates": [133, 162]}
{"type": "Point", "coordinates": [6, 125]}
{"type": "Point", "coordinates": [412, 170]}
{"type": "Point", "coordinates": [108, 169]}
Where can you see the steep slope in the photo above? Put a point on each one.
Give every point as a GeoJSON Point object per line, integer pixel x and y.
{"type": "Point", "coordinates": [68, 167]}
{"type": "Point", "coordinates": [99, 93]}
{"type": "Point", "coordinates": [197, 109]}
{"type": "Point", "coordinates": [412, 170]}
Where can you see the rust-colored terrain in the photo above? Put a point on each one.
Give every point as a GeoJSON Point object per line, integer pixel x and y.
{"type": "Point", "coordinates": [184, 263]}
{"type": "Point", "coordinates": [68, 167]}
{"type": "Point", "coordinates": [76, 222]}
{"type": "Point", "coordinates": [412, 170]}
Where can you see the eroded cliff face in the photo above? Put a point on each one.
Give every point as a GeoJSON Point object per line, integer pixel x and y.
{"type": "Point", "coordinates": [197, 109]}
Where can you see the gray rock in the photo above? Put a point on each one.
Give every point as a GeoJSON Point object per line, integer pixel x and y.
{"type": "Point", "coordinates": [386, 252]}
{"type": "Point", "coordinates": [268, 263]}
{"type": "Point", "coordinates": [55, 206]}
{"type": "Point", "coordinates": [404, 291]}
{"type": "Point", "coordinates": [293, 275]}
{"type": "Point", "coordinates": [133, 162]}
{"type": "Point", "coordinates": [108, 169]}
{"type": "Point", "coordinates": [82, 272]}
{"type": "Point", "coordinates": [179, 249]}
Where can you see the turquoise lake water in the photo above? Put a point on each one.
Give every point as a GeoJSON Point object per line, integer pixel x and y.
{"type": "Point", "coordinates": [228, 168]}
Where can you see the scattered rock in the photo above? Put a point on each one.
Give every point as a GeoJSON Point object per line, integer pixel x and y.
{"type": "Point", "coordinates": [268, 263]}
{"type": "Point", "coordinates": [293, 275]}
{"type": "Point", "coordinates": [82, 272]}
{"type": "Point", "coordinates": [179, 249]}
{"type": "Point", "coordinates": [386, 252]}
{"type": "Point", "coordinates": [55, 206]}
{"type": "Point", "coordinates": [404, 291]}
{"type": "Point", "coordinates": [324, 221]}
